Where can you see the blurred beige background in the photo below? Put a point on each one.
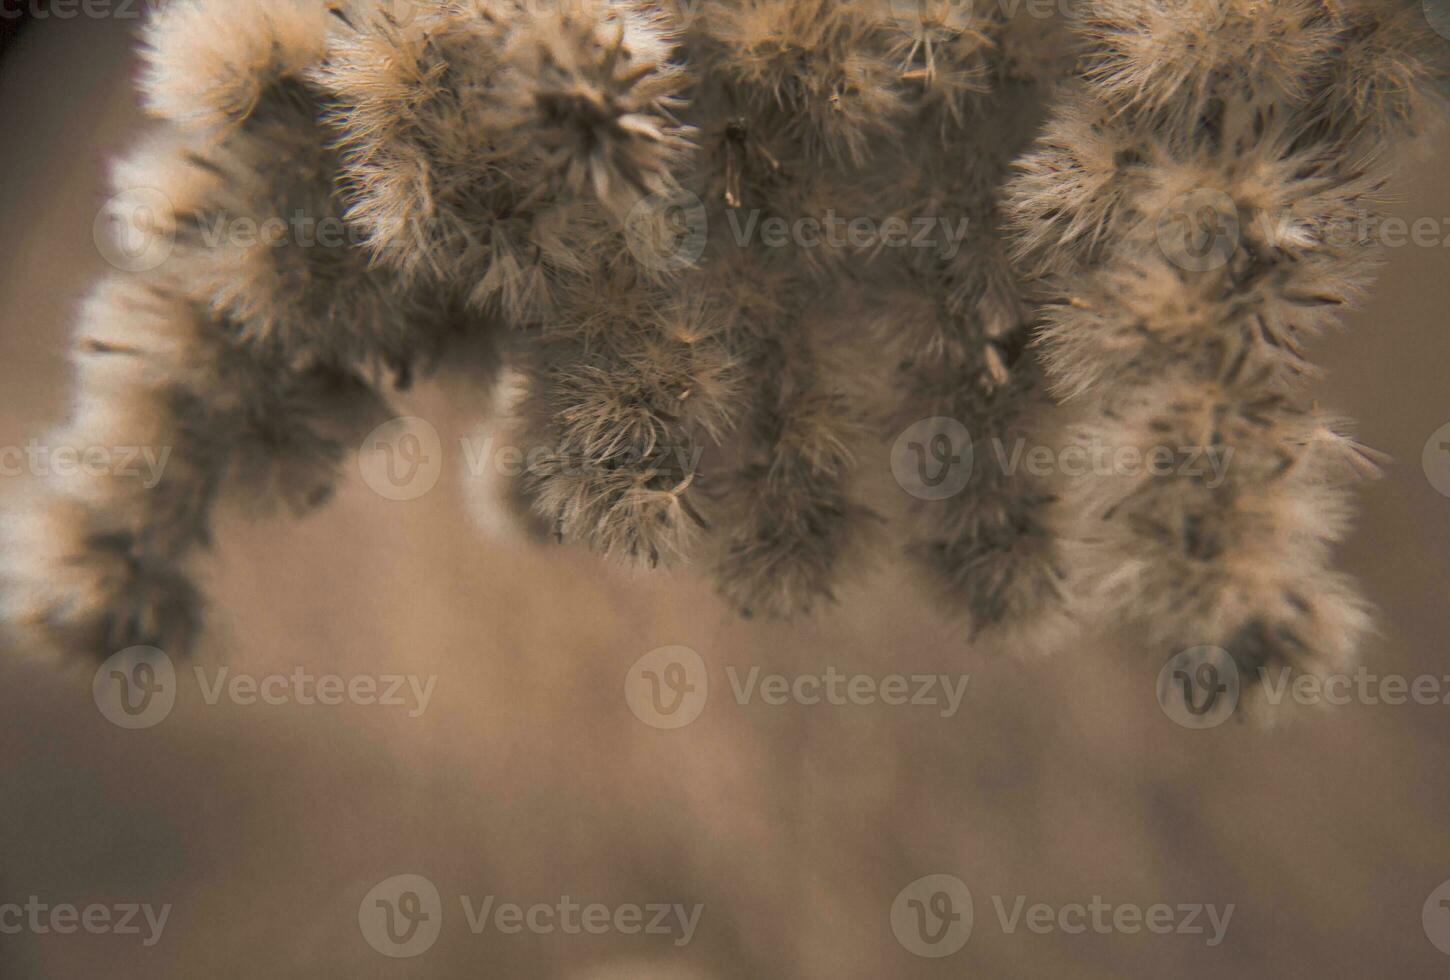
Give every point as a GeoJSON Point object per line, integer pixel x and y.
{"type": "Point", "coordinates": [529, 779]}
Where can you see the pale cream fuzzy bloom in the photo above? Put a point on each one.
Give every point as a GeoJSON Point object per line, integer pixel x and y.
{"type": "Point", "coordinates": [209, 62]}
{"type": "Point", "coordinates": [482, 159]}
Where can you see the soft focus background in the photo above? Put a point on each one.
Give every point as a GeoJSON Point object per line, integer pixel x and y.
{"type": "Point", "coordinates": [528, 778]}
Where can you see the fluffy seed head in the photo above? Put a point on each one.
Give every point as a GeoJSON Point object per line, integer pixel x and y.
{"type": "Point", "coordinates": [209, 62]}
